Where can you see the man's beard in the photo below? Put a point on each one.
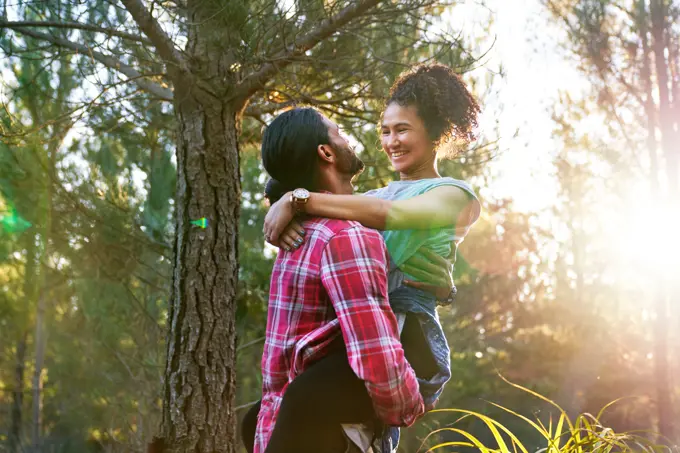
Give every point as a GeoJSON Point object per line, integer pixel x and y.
{"type": "Point", "coordinates": [349, 163]}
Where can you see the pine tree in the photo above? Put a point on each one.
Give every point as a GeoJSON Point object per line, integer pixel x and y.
{"type": "Point", "coordinates": [219, 62]}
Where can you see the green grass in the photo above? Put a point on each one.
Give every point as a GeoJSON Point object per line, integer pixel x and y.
{"type": "Point", "coordinates": [584, 434]}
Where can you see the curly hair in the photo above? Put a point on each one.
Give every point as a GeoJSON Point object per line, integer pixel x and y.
{"type": "Point", "coordinates": [442, 101]}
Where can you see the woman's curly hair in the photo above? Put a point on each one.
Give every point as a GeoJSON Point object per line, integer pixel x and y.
{"type": "Point", "coordinates": [442, 101]}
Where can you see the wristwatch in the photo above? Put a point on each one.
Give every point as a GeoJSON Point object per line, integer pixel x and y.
{"type": "Point", "coordinates": [299, 199]}
{"type": "Point", "coordinates": [450, 298]}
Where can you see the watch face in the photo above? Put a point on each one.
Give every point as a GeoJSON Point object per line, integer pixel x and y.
{"type": "Point", "coordinates": [301, 193]}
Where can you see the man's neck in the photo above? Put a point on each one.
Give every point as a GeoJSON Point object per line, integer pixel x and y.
{"type": "Point", "coordinates": [335, 185]}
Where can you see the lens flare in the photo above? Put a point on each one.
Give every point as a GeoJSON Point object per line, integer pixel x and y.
{"type": "Point", "coordinates": [12, 222]}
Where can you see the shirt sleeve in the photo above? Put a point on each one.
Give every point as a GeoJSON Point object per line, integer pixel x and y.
{"type": "Point", "coordinates": [354, 273]}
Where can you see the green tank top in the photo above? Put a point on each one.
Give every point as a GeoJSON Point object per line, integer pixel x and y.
{"type": "Point", "coordinates": [403, 244]}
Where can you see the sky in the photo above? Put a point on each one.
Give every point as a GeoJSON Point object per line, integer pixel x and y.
{"type": "Point", "coordinates": [535, 70]}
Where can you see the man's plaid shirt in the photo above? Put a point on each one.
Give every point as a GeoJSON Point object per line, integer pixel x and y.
{"type": "Point", "coordinates": [335, 284]}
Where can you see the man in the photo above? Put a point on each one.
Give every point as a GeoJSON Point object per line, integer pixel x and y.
{"type": "Point", "coordinates": [328, 293]}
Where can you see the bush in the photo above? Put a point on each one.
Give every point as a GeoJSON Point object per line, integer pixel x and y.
{"type": "Point", "coordinates": [585, 434]}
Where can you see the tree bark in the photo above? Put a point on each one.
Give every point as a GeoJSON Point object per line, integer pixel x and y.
{"type": "Point", "coordinates": [37, 374]}
{"type": "Point", "coordinates": [659, 32]}
{"type": "Point", "coordinates": [200, 384]}
{"type": "Point", "coordinates": [18, 396]}
{"type": "Point", "coordinates": [661, 331]}
{"type": "Point", "coordinates": [40, 340]}
{"type": "Point", "coordinates": [17, 411]}
{"type": "Point", "coordinates": [200, 375]}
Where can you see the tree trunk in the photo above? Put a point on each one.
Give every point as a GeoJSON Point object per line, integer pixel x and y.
{"type": "Point", "coordinates": [200, 375]}
{"type": "Point", "coordinates": [661, 369]}
{"type": "Point", "coordinates": [40, 339]}
{"type": "Point", "coordinates": [659, 32]}
{"type": "Point", "coordinates": [650, 107]}
{"type": "Point", "coordinates": [37, 373]}
{"type": "Point", "coordinates": [18, 397]}
{"type": "Point", "coordinates": [661, 331]}
{"type": "Point", "coordinates": [199, 386]}
{"type": "Point", "coordinates": [17, 412]}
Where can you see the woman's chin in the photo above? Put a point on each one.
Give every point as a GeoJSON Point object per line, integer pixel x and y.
{"type": "Point", "coordinates": [401, 167]}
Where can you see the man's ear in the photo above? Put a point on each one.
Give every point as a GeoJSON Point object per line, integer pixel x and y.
{"type": "Point", "coordinates": [326, 153]}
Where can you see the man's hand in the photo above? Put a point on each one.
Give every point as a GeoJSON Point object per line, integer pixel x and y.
{"type": "Point", "coordinates": [435, 274]}
{"type": "Point", "coordinates": [279, 216]}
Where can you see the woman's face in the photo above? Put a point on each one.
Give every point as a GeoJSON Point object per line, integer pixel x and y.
{"type": "Point", "coordinates": [405, 139]}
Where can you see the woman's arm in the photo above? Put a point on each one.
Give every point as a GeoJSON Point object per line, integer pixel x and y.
{"type": "Point", "coordinates": [436, 208]}
{"type": "Point", "coordinates": [440, 207]}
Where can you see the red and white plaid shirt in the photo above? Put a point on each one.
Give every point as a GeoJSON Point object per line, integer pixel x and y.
{"type": "Point", "coordinates": [335, 284]}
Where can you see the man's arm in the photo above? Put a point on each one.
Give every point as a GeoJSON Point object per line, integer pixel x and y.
{"type": "Point", "coordinates": [354, 273]}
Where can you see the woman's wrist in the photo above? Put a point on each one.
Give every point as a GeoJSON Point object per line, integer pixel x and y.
{"type": "Point", "coordinates": [299, 199]}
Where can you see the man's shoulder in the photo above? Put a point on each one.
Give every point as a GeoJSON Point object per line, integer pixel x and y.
{"type": "Point", "coordinates": [329, 228]}
{"type": "Point", "coordinates": [343, 241]}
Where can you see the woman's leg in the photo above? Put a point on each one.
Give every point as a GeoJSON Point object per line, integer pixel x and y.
{"type": "Point", "coordinates": [248, 427]}
{"type": "Point", "coordinates": [326, 395]}
{"type": "Point", "coordinates": [417, 349]}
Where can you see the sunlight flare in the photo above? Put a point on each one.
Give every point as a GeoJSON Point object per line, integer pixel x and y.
{"type": "Point", "coordinates": [648, 232]}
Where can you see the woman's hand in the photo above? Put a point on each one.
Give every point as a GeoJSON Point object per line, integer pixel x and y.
{"type": "Point", "coordinates": [279, 216]}
{"type": "Point", "coordinates": [292, 237]}
{"type": "Point", "coordinates": [435, 273]}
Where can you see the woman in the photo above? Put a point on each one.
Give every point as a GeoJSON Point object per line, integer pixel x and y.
{"type": "Point", "coordinates": [428, 109]}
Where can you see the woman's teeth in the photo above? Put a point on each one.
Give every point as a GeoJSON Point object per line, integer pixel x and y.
{"type": "Point", "coordinates": [399, 154]}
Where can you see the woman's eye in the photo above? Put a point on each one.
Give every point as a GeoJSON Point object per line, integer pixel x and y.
{"type": "Point", "coordinates": [385, 132]}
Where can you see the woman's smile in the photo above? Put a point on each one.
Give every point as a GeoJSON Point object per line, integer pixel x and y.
{"type": "Point", "coordinates": [397, 154]}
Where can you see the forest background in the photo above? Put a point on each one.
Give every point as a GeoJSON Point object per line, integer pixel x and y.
{"type": "Point", "coordinates": [123, 121]}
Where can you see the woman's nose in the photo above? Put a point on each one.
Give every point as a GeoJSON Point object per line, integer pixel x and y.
{"type": "Point", "coordinates": [390, 140]}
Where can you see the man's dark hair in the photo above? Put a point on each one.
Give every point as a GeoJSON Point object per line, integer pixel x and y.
{"type": "Point", "coordinates": [289, 147]}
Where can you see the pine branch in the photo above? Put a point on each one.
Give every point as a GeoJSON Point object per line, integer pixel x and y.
{"type": "Point", "coordinates": [110, 62]}
{"type": "Point", "coordinates": [254, 82]}
{"type": "Point", "coordinates": [255, 111]}
{"type": "Point", "coordinates": [74, 26]}
{"type": "Point", "coordinates": [152, 29]}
